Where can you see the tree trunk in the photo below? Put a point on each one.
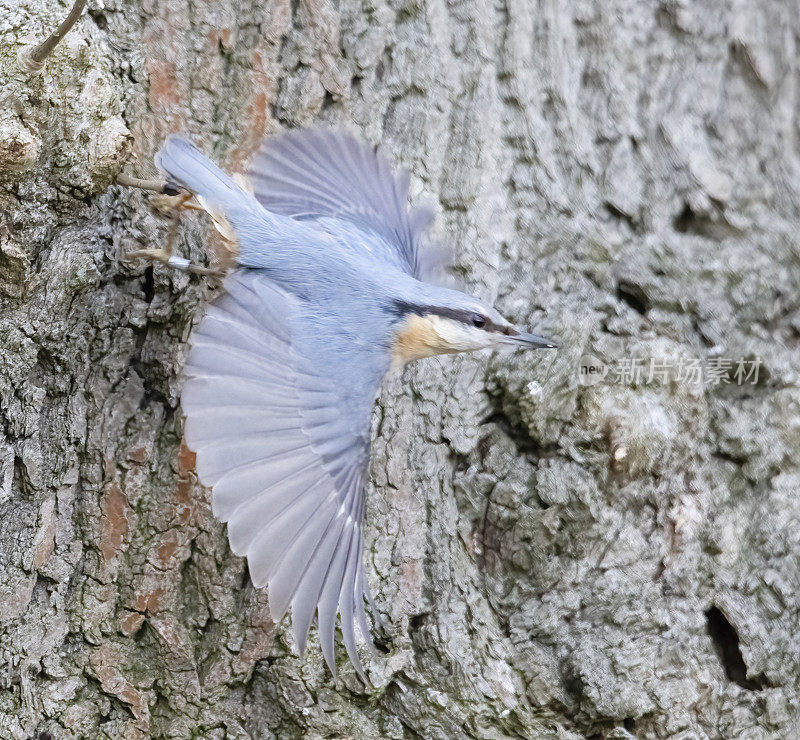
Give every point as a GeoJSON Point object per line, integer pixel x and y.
{"type": "Point", "coordinates": [551, 557]}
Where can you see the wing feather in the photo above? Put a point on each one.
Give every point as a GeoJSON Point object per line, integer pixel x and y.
{"type": "Point", "coordinates": [347, 602]}
{"type": "Point", "coordinates": [319, 567]}
{"type": "Point", "coordinates": [214, 460]}
{"type": "Point", "coordinates": [316, 173]}
{"type": "Point", "coordinates": [209, 358]}
{"type": "Point", "coordinates": [308, 592]}
{"type": "Point", "coordinates": [267, 548]}
{"type": "Point", "coordinates": [282, 438]}
{"type": "Point", "coordinates": [214, 423]}
{"type": "Point", "coordinates": [242, 485]}
{"type": "Point", "coordinates": [247, 519]}
{"type": "Point", "coordinates": [215, 392]}
{"type": "Point", "coordinates": [328, 602]}
{"type": "Point", "coordinates": [284, 584]}
{"type": "Point", "coordinates": [361, 589]}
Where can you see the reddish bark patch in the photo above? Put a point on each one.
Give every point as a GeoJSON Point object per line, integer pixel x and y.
{"type": "Point", "coordinates": [257, 643]}
{"type": "Point", "coordinates": [258, 114]}
{"type": "Point", "coordinates": [220, 38]}
{"type": "Point", "coordinates": [264, 77]}
{"type": "Point", "coordinates": [107, 663]}
{"type": "Point", "coordinates": [148, 601]}
{"type": "Point", "coordinates": [186, 480]}
{"type": "Point", "coordinates": [183, 498]}
{"type": "Point", "coordinates": [131, 623]}
{"type": "Point", "coordinates": [411, 580]}
{"type": "Point", "coordinates": [186, 459]}
{"type": "Point", "coordinates": [139, 455]}
{"type": "Point", "coordinates": [167, 548]}
{"type": "Point", "coordinates": [114, 522]}
{"type": "Point", "coordinates": [163, 46]}
{"type": "Point", "coordinates": [164, 87]}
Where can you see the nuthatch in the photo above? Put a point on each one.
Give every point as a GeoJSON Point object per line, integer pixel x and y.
{"type": "Point", "coordinates": [330, 293]}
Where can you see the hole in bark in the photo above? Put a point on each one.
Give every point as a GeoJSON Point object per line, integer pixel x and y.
{"type": "Point", "coordinates": [726, 643]}
{"type": "Point", "coordinates": [381, 645]}
{"type": "Point", "coordinates": [44, 736]}
{"type": "Point", "coordinates": [45, 361]}
{"type": "Point", "coordinates": [20, 476]}
{"type": "Point", "coordinates": [711, 225]}
{"type": "Point", "coordinates": [685, 220]}
{"type": "Point", "coordinates": [246, 583]}
{"type": "Point", "coordinates": [99, 19]}
{"type": "Point", "coordinates": [629, 723]}
{"type": "Point", "coordinates": [417, 621]}
{"type": "Point", "coordinates": [149, 284]}
{"type": "Point", "coordinates": [633, 295]}
{"type": "Point", "coordinates": [328, 101]}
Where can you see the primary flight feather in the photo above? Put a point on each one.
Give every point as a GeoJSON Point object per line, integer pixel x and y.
{"type": "Point", "coordinates": [284, 369]}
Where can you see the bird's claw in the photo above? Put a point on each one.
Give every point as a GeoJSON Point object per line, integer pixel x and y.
{"type": "Point", "coordinates": [175, 202]}
{"type": "Point", "coordinates": [154, 255]}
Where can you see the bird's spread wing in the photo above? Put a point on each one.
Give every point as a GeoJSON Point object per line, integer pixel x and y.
{"type": "Point", "coordinates": [281, 433]}
{"type": "Point", "coordinates": [317, 173]}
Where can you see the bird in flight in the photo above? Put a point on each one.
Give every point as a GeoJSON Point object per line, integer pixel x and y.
{"type": "Point", "coordinates": [331, 291]}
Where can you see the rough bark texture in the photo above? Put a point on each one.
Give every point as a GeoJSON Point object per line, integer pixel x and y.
{"type": "Point", "coordinates": [550, 559]}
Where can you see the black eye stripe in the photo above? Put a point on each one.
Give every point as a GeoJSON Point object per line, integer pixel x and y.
{"type": "Point", "coordinates": [463, 315]}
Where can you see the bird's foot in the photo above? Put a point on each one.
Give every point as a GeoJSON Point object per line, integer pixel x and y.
{"type": "Point", "coordinates": [174, 261]}
{"type": "Point", "coordinates": [168, 201]}
{"type": "Point", "coordinates": [168, 197]}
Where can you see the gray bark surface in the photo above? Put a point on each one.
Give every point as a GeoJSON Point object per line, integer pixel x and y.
{"type": "Point", "coordinates": [550, 559]}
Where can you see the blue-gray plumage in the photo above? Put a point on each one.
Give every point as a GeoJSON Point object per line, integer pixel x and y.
{"type": "Point", "coordinates": [284, 369]}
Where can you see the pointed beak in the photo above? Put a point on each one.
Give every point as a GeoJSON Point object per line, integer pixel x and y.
{"type": "Point", "coordinates": [529, 341]}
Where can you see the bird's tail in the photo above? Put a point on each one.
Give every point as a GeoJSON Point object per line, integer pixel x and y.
{"type": "Point", "coordinates": [185, 165]}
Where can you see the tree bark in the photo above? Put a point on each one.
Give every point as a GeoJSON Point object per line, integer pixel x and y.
{"type": "Point", "coordinates": [549, 558]}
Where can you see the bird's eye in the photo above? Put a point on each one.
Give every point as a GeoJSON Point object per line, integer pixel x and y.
{"type": "Point", "coordinates": [478, 320]}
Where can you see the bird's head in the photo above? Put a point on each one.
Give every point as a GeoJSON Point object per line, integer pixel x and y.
{"type": "Point", "coordinates": [454, 323]}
